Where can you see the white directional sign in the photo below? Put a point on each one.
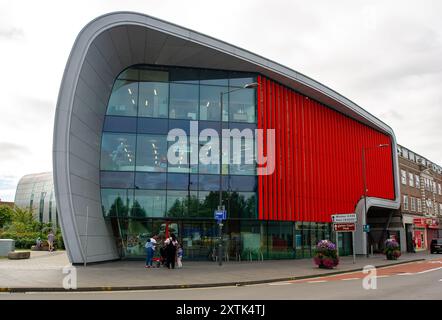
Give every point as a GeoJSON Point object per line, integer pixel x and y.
{"type": "Point", "coordinates": [344, 218]}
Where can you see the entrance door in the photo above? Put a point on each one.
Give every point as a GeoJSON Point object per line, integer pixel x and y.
{"type": "Point", "coordinates": [418, 239]}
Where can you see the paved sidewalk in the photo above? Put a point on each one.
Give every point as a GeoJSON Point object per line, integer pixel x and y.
{"type": "Point", "coordinates": [44, 271]}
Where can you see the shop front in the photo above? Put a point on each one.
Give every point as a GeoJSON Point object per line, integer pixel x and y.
{"type": "Point", "coordinates": [243, 240]}
{"type": "Point", "coordinates": [419, 234]}
{"type": "Point", "coordinates": [433, 231]}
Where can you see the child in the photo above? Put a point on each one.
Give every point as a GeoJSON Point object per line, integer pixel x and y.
{"type": "Point", "coordinates": [179, 257]}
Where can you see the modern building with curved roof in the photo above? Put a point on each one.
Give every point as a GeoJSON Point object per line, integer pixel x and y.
{"type": "Point", "coordinates": [35, 192]}
{"type": "Point", "coordinates": [130, 79]}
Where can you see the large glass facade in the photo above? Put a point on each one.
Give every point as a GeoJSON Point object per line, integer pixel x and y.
{"type": "Point", "coordinates": [146, 194]}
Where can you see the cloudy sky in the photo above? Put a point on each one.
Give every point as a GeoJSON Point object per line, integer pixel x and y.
{"type": "Point", "coordinates": [384, 55]}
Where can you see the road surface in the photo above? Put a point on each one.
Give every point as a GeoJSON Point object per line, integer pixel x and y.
{"type": "Point", "coordinates": [417, 280]}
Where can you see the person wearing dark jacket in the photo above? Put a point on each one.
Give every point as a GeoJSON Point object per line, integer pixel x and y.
{"type": "Point", "coordinates": [171, 247]}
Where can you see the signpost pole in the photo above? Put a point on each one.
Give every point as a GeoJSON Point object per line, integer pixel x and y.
{"type": "Point", "coordinates": [220, 215]}
{"type": "Point", "coordinates": [353, 245]}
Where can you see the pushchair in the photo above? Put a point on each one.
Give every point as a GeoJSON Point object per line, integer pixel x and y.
{"type": "Point", "coordinates": [159, 259]}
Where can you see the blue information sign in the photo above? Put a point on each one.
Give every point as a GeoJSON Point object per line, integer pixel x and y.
{"type": "Point", "coordinates": [220, 215]}
{"type": "Point", "coordinates": [366, 228]}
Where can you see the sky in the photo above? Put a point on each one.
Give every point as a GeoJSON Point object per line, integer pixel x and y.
{"type": "Point", "coordinates": [386, 56]}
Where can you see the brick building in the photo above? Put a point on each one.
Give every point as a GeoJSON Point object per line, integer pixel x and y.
{"type": "Point", "coordinates": [421, 198]}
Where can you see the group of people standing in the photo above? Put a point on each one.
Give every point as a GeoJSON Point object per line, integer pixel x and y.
{"type": "Point", "coordinates": [171, 252]}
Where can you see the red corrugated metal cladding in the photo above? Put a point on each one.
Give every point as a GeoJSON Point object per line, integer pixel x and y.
{"type": "Point", "coordinates": [318, 157]}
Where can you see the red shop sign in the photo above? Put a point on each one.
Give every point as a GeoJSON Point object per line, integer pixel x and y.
{"type": "Point", "coordinates": [419, 222]}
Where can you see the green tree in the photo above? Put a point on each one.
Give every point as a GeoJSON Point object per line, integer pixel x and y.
{"type": "Point", "coordinates": [5, 215]}
{"type": "Point", "coordinates": [118, 209]}
{"type": "Point", "coordinates": [137, 210]}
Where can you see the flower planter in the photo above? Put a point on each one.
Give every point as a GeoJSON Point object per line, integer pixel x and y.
{"type": "Point", "coordinates": [326, 256]}
{"type": "Point", "coordinates": [392, 250]}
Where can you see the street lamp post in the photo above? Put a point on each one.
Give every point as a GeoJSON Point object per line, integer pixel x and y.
{"type": "Point", "coordinates": [220, 205]}
{"type": "Point", "coordinates": [364, 177]}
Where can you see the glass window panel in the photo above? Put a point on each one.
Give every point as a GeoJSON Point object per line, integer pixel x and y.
{"type": "Point", "coordinates": [116, 202]}
{"type": "Point", "coordinates": [155, 126]}
{"type": "Point", "coordinates": [210, 101]}
{"type": "Point", "coordinates": [245, 165]}
{"type": "Point", "coordinates": [177, 203]}
{"type": "Point", "coordinates": [242, 205]}
{"type": "Point", "coordinates": [154, 99]}
{"type": "Point", "coordinates": [242, 105]}
{"type": "Point", "coordinates": [210, 182]}
{"type": "Point", "coordinates": [150, 203]}
{"type": "Point", "coordinates": [210, 153]}
{"type": "Point", "coordinates": [253, 240]}
{"type": "Point", "coordinates": [183, 101]}
{"type": "Point", "coordinates": [181, 151]}
{"type": "Point", "coordinates": [184, 75]}
{"type": "Point", "coordinates": [180, 124]}
{"type": "Point", "coordinates": [306, 243]}
{"type": "Point", "coordinates": [178, 181]}
{"type": "Point", "coordinates": [154, 75]}
{"type": "Point", "coordinates": [151, 153]}
{"type": "Point", "coordinates": [136, 232]}
{"type": "Point", "coordinates": [118, 152]}
{"type": "Point", "coordinates": [239, 79]}
{"type": "Point", "coordinates": [214, 77]}
{"type": "Point", "coordinates": [280, 240]}
{"type": "Point", "coordinates": [130, 74]}
{"type": "Point", "coordinates": [208, 202]}
{"type": "Point", "coordinates": [199, 238]}
{"type": "Point", "coordinates": [243, 183]}
{"type": "Point", "coordinates": [242, 126]}
{"type": "Point", "coordinates": [112, 179]}
{"type": "Point", "coordinates": [151, 180]}
{"type": "Point", "coordinates": [120, 124]}
{"type": "Point", "coordinates": [123, 100]}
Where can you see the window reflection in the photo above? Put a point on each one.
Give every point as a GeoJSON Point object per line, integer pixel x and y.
{"type": "Point", "coordinates": [116, 202]}
{"type": "Point", "coordinates": [181, 151]}
{"type": "Point", "coordinates": [243, 163]}
{"type": "Point", "coordinates": [134, 150]}
{"type": "Point", "coordinates": [242, 106]}
{"type": "Point", "coordinates": [210, 99]}
{"type": "Point", "coordinates": [118, 152]}
{"type": "Point", "coordinates": [183, 101]}
{"type": "Point", "coordinates": [154, 99]}
{"type": "Point", "coordinates": [177, 203]}
{"type": "Point", "coordinates": [124, 99]}
{"type": "Point", "coordinates": [151, 153]}
{"type": "Point", "coordinates": [149, 203]}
